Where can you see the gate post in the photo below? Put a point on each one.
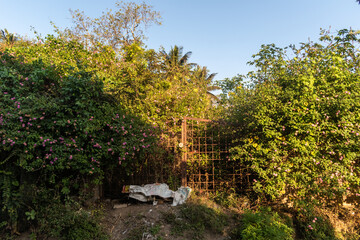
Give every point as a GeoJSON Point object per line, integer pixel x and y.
{"type": "Point", "coordinates": [184, 153]}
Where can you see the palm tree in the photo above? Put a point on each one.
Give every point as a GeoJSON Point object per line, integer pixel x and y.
{"type": "Point", "coordinates": [176, 64]}
{"type": "Point", "coordinates": [203, 77]}
{"type": "Point", "coordinates": [8, 38]}
{"type": "Point", "coordinates": [175, 57]}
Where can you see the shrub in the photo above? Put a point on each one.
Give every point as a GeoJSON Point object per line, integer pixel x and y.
{"type": "Point", "coordinates": [262, 225]}
{"type": "Point", "coordinates": [68, 222]}
{"type": "Point", "coordinates": [312, 225]}
{"type": "Point", "coordinates": [194, 218]}
{"type": "Point", "coordinates": [298, 122]}
{"type": "Point", "coordinates": [59, 130]}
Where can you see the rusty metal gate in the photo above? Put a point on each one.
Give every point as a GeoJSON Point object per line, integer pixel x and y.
{"type": "Point", "coordinates": [196, 154]}
{"type": "Point", "coordinates": [206, 163]}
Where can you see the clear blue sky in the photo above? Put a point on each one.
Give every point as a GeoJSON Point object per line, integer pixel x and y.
{"type": "Point", "coordinates": [222, 34]}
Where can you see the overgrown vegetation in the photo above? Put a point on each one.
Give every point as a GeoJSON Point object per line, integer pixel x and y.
{"type": "Point", "coordinates": [298, 121]}
{"type": "Point", "coordinates": [194, 219]}
{"type": "Point", "coordinates": [91, 100]}
{"type": "Point", "coordinates": [71, 110]}
{"type": "Point", "coordinates": [262, 225]}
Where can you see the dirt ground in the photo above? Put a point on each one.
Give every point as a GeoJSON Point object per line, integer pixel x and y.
{"type": "Point", "coordinates": [142, 221]}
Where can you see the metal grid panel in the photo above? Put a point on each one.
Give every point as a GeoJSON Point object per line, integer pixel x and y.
{"type": "Point", "coordinates": [206, 158]}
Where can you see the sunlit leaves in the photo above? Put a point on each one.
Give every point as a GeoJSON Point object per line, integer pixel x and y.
{"type": "Point", "coordinates": [298, 119]}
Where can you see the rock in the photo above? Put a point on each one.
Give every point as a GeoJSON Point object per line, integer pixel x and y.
{"type": "Point", "coordinates": [116, 206]}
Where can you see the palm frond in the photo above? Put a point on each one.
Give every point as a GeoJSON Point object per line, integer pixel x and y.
{"type": "Point", "coordinates": [213, 88]}
{"type": "Point", "coordinates": [184, 59]}
{"type": "Point", "coordinates": [211, 77]}
{"type": "Point", "coordinates": [212, 96]}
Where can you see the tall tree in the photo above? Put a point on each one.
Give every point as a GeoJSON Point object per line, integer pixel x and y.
{"type": "Point", "coordinates": [175, 64]}
{"type": "Point", "coordinates": [123, 26]}
{"type": "Point", "coordinates": [175, 56]}
{"type": "Point", "coordinates": [201, 74]}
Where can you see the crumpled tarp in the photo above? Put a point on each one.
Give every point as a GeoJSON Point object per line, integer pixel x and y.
{"type": "Point", "coordinates": [147, 192]}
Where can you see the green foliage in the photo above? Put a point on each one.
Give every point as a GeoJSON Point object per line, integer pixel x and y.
{"type": "Point", "coordinates": [7, 38]}
{"type": "Point", "coordinates": [312, 225]}
{"type": "Point", "coordinates": [262, 225]}
{"type": "Point", "coordinates": [230, 199]}
{"type": "Point", "coordinates": [69, 222]}
{"type": "Point", "coordinates": [58, 128]}
{"type": "Point", "coordinates": [194, 219]}
{"type": "Point", "coordinates": [114, 28]}
{"type": "Point", "coordinates": [137, 78]}
{"type": "Point", "coordinates": [70, 113]}
{"type": "Point", "coordinates": [298, 119]}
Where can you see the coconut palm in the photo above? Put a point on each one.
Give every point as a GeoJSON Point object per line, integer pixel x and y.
{"type": "Point", "coordinates": [201, 74]}
{"type": "Point", "coordinates": [175, 64]}
{"type": "Point", "coordinates": [8, 38]}
{"type": "Point", "coordinates": [175, 57]}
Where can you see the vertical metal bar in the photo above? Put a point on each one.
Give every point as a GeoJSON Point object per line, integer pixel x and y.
{"type": "Point", "coordinates": [206, 157]}
{"type": "Point", "coordinates": [212, 157]}
{"type": "Point", "coordinates": [184, 152]}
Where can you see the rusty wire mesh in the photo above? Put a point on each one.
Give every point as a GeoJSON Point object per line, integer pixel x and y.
{"type": "Point", "coordinates": [193, 152]}
{"type": "Point", "coordinates": [209, 166]}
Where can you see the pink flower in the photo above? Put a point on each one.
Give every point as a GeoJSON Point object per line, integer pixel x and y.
{"type": "Point", "coordinates": [70, 157]}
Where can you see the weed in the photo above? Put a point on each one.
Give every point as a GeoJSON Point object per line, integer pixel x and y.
{"type": "Point", "coordinates": [312, 225]}
{"type": "Point", "coordinates": [262, 225]}
{"type": "Point", "coordinates": [155, 229]}
{"type": "Point", "coordinates": [194, 219]}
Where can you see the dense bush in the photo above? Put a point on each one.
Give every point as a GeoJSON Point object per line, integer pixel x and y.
{"type": "Point", "coordinates": [138, 78]}
{"type": "Point", "coordinates": [298, 119]}
{"type": "Point", "coordinates": [68, 221]}
{"type": "Point", "coordinates": [262, 225]}
{"type": "Point", "coordinates": [312, 225]}
{"type": "Point", "coordinates": [59, 129]}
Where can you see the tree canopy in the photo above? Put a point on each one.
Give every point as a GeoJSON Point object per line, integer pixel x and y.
{"type": "Point", "coordinates": [298, 119]}
{"type": "Point", "coordinates": [116, 29]}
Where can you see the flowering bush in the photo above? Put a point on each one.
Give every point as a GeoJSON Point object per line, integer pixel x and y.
{"type": "Point", "coordinates": [134, 76]}
{"type": "Point", "coordinates": [313, 225]}
{"type": "Point", "coordinates": [57, 128]}
{"type": "Point", "coordinates": [298, 120]}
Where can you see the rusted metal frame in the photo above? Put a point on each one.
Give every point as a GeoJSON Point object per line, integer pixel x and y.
{"type": "Point", "coordinates": [206, 169]}
{"type": "Point", "coordinates": [191, 129]}
{"type": "Point", "coordinates": [184, 152]}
